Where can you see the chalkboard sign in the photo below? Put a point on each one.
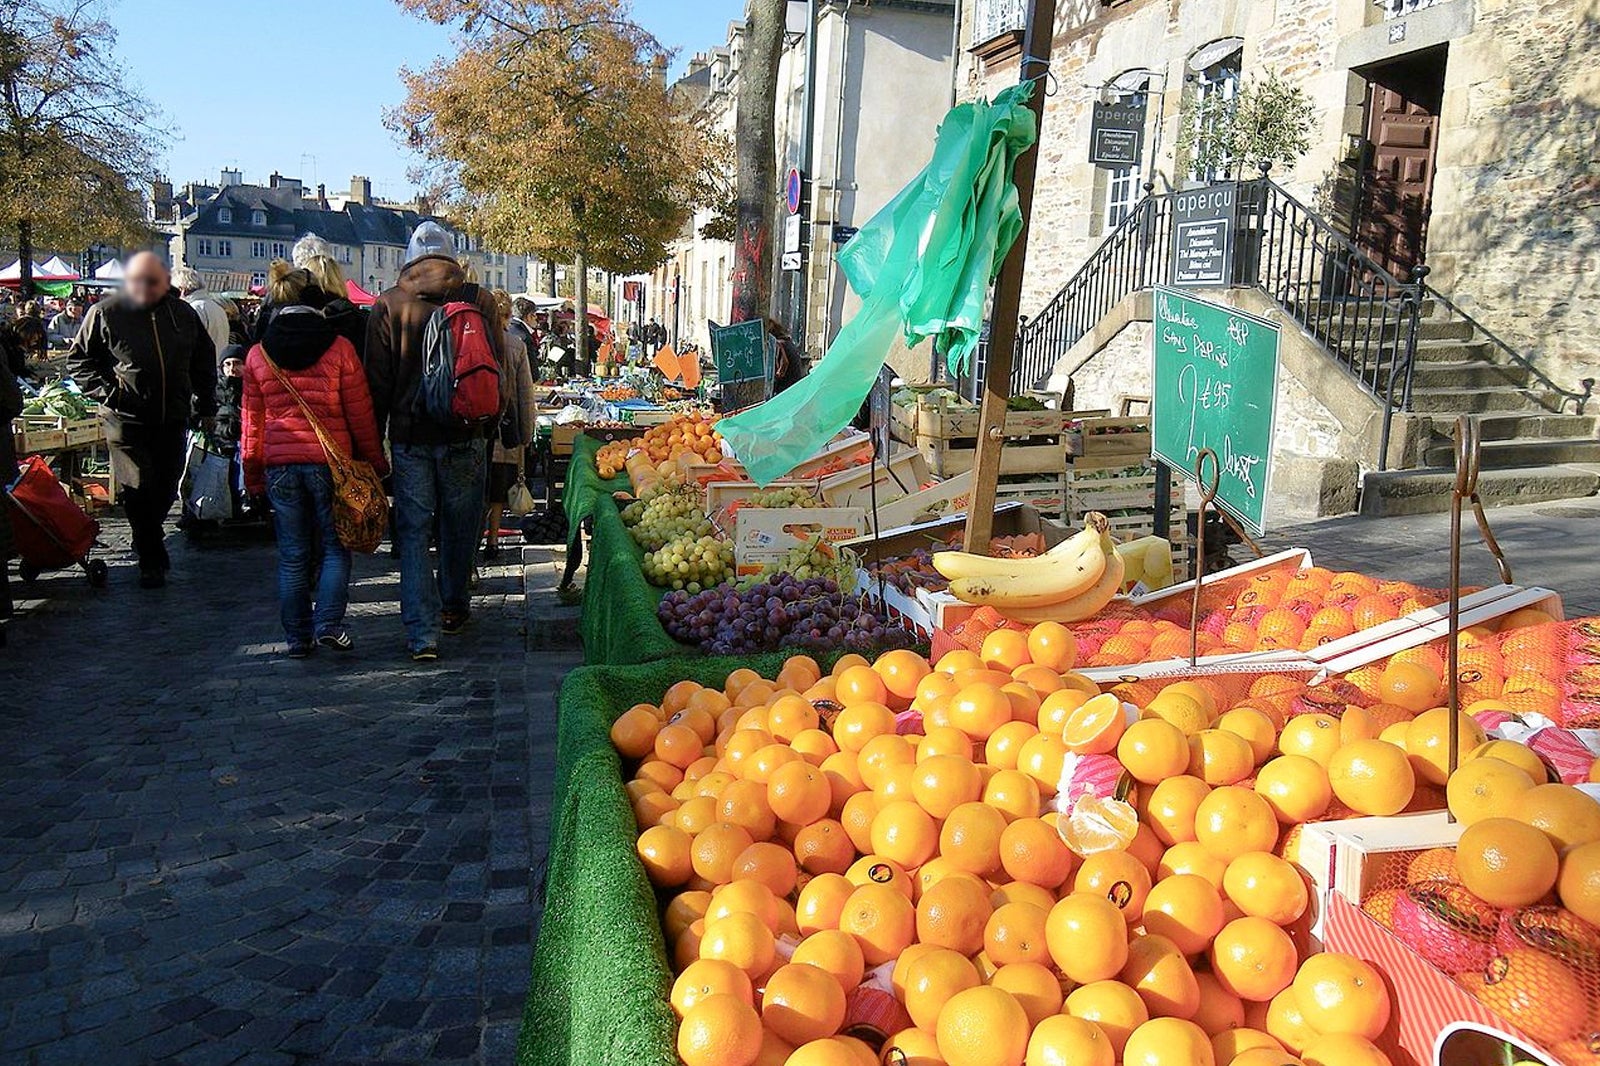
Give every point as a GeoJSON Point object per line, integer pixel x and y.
{"type": "Point", "coordinates": [1116, 135]}
{"type": "Point", "coordinates": [745, 363]}
{"type": "Point", "coordinates": [1202, 235]}
{"type": "Point", "coordinates": [1215, 385]}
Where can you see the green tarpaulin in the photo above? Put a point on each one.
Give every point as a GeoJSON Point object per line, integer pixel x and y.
{"type": "Point", "coordinates": [923, 266]}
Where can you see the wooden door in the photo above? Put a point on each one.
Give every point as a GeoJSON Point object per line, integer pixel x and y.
{"type": "Point", "coordinates": [1397, 183]}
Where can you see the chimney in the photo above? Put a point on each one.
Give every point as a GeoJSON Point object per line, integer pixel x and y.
{"type": "Point", "coordinates": [231, 177]}
{"type": "Point", "coordinates": [275, 180]}
{"type": "Point", "coordinates": [658, 69]}
{"type": "Point", "coordinates": [160, 200]}
{"type": "Point", "coordinates": [424, 205]}
{"type": "Point", "coordinates": [361, 191]}
{"type": "Point", "coordinates": [322, 196]}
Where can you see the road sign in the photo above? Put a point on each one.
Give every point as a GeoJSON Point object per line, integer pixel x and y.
{"type": "Point", "coordinates": [842, 234]}
{"type": "Point", "coordinates": [791, 233]}
{"type": "Point", "coordinates": [791, 261]}
{"type": "Point", "coordinates": [1116, 135]}
{"type": "Point", "coordinates": [1202, 236]}
{"type": "Point", "coordinates": [794, 188]}
{"type": "Point", "coordinates": [1215, 381]}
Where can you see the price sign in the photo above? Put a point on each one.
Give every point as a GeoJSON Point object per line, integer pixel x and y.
{"type": "Point", "coordinates": [1215, 380]}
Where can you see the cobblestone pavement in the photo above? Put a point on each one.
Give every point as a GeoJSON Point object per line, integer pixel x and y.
{"type": "Point", "coordinates": [1553, 545]}
{"type": "Point", "coordinates": [212, 854]}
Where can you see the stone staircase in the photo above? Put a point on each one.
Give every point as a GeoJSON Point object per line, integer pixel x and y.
{"type": "Point", "coordinates": [1534, 448]}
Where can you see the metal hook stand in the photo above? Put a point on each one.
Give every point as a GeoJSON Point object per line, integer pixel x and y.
{"type": "Point", "coordinates": [1208, 495]}
{"type": "Point", "coordinates": [1469, 459]}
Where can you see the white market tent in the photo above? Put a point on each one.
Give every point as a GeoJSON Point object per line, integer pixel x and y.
{"type": "Point", "coordinates": [14, 272]}
{"type": "Point", "coordinates": [57, 269]}
{"type": "Point", "coordinates": [111, 270]}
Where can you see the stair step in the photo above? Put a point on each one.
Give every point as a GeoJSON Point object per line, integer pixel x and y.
{"type": "Point", "coordinates": [1457, 401]}
{"type": "Point", "coordinates": [1457, 351]}
{"type": "Point", "coordinates": [1526, 451]}
{"type": "Point", "coordinates": [1433, 329]}
{"type": "Point", "coordinates": [1403, 492]}
{"type": "Point", "coordinates": [1524, 427]}
{"type": "Point", "coordinates": [1464, 375]}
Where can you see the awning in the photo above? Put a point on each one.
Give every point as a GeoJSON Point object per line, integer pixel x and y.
{"type": "Point", "coordinates": [110, 270]}
{"type": "Point", "coordinates": [57, 269]}
{"type": "Point", "coordinates": [359, 296]}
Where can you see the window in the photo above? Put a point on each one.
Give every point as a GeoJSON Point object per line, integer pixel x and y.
{"type": "Point", "coordinates": [280, 250]}
{"type": "Point", "coordinates": [225, 216]}
{"type": "Point", "coordinates": [258, 280]}
{"type": "Point", "coordinates": [258, 218]}
{"type": "Point", "coordinates": [1214, 74]}
{"type": "Point", "coordinates": [380, 255]}
{"type": "Point", "coordinates": [202, 246]}
{"type": "Point", "coordinates": [258, 249]}
{"type": "Point", "coordinates": [344, 255]}
{"type": "Point", "coordinates": [995, 18]}
{"type": "Point", "coordinates": [225, 248]}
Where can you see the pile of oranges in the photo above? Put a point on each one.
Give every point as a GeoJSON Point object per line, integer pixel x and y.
{"type": "Point", "coordinates": [960, 889]}
{"type": "Point", "coordinates": [693, 435]}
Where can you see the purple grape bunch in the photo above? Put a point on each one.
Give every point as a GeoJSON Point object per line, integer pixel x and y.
{"type": "Point", "coordinates": [783, 612]}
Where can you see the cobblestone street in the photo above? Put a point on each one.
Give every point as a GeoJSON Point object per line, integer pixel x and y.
{"type": "Point", "coordinates": [212, 854]}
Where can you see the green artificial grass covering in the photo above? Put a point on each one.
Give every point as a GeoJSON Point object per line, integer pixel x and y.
{"type": "Point", "coordinates": [584, 486]}
{"type": "Point", "coordinates": [619, 622]}
{"type": "Point", "coordinates": [600, 971]}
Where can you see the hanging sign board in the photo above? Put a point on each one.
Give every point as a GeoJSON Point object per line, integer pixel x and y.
{"type": "Point", "coordinates": [1215, 385]}
{"type": "Point", "coordinates": [1202, 236]}
{"type": "Point", "coordinates": [744, 359]}
{"type": "Point", "coordinates": [1116, 135]}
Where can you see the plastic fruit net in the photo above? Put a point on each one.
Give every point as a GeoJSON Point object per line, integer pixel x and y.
{"type": "Point", "coordinates": [1536, 967]}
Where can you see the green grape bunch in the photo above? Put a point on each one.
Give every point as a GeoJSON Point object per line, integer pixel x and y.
{"type": "Point", "coordinates": [689, 562]}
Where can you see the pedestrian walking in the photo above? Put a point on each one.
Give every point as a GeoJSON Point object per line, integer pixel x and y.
{"type": "Point", "coordinates": [146, 356]}
{"type": "Point", "coordinates": [516, 426]}
{"type": "Point", "coordinates": [17, 340]}
{"type": "Point", "coordinates": [301, 383]}
{"type": "Point", "coordinates": [439, 465]}
{"type": "Point", "coordinates": [186, 279]}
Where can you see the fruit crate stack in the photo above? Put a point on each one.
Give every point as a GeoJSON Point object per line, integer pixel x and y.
{"type": "Point", "coordinates": [947, 436]}
{"type": "Point", "coordinates": [1126, 495]}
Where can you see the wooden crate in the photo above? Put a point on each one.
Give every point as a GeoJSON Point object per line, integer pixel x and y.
{"type": "Point", "coordinates": [563, 437]}
{"type": "Point", "coordinates": [1129, 503]}
{"type": "Point", "coordinates": [82, 432]}
{"type": "Point", "coordinates": [1106, 443]}
{"type": "Point", "coordinates": [1047, 495]}
{"type": "Point", "coordinates": [35, 434]}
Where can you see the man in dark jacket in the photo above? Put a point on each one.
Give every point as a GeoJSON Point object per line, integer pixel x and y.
{"type": "Point", "coordinates": [439, 471]}
{"type": "Point", "coordinates": [146, 356]}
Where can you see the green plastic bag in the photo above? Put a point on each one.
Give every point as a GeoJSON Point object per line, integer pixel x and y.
{"type": "Point", "coordinates": [922, 266]}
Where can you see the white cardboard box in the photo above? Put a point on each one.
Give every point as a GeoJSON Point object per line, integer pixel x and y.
{"type": "Point", "coordinates": [762, 537]}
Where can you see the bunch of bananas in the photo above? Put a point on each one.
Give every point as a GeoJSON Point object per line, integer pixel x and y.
{"type": "Point", "coordinates": [1072, 581]}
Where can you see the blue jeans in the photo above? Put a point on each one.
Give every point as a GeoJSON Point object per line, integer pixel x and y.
{"type": "Point", "coordinates": [437, 488]}
{"type": "Point", "coordinates": [308, 552]}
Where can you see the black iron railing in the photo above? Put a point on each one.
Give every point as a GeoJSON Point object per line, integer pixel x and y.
{"type": "Point", "coordinates": [1579, 397]}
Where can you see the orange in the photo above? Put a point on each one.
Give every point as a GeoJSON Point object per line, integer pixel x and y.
{"type": "Point", "coordinates": [1186, 909]}
{"type": "Point", "coordinates": [1117, 877]}
{"type": "Point", "coordinates": [1015, 933]}
{"type": "Point", "coordinates": [1296, 787]}
{"type": "Point", "coordinates": [978, 710]}
{"type": "Point", "coordinates": [1021, 892]}
{"type": "Point", "coordinates": [1410, 685]}
{"type": "Point", "coordinates": [944, 740]}
{"type": "Point", "coordinates": [1052, 644]}
{"type": "Point", "coordinates": [800, 672]}
{"type": "Point", "coordinates": [799, 793]}
{"type": "Point", "coordinates": [881, 919]}
{"type": "Point", "coordinates": [1255, 727]}
{"type": "Point", "coordinates": [1435, 864]}
{"type": "Point", "coordinates": [1157, 970]}
{"type": "Point", "coordinates": [1233, 820]}
{"type": "Point", "coordinates": [1372, 777]}
{"type": "Point", "coordinates": [859, 683]}
{"type": "Point", "coordinates": [1567, 815]}
{"type": "Point", "coordinates": [703, 724]}
{"type": "Point", "coordinates": [1518, 755]}
{"type": "Point", "coordinates": [633, 734]}
{"type": "Point", "coordinates": [1380, 905]}
{"type": "Point", "coordinates": [664, 852]}
{"type": "Point", "coordinates": [1146, 848]}
{"type": "Point", "coordinates": [1111, 1005]}
{"type": "Point", "coordinates": [1056, 707]}
{"type": "Point", "coordinates": [656, 772]}
{"type": "Point", "coordinates": [715, 848]}
{"type": "Point", "coordinates": [953, 662]}
{"type": "Point", "coordinates": [1535, 991]}
{"type": "Point", "coordinates": [1285, 1022]}
{"type": "Point", "coordinates": [744, 803]}
{"type": "Point", "coordinates": [1182, 707]}
{"type": "Point", "coordinates": [1004, 744]}
{"type": "Point", "coordinates": [789, 716]}
{"type": "Point", "coordinates": [911, 1047]}
{"type": "Point", "coordinates": [823, 847]}
{"type": "Point", "coordinates": [1343, 1050]}
{"type": "Point", "coordinates": [1220, 1011]}
{"type": "Point", "coordinates": [1253, 958]}
{"type": "Point", "coordinates": [1098, 824]}
{"type": "Point", "coordinates": [1340, 993]}
{"type": "Point", "coordinates": [744, 742]}
{"type": "Point", "coordinates": [802, 1003]}
{"type": "Point", "coordinates": [678, 745]}
{"type": "Point", "coordinates": [931, 978]}
{"type": "Point", "coordinates": [677, 697]}
{"type": "Point", "coordinates": [1168, 1042]}
{"type": "Point", "coordinates": [982, 1026]}
{"type": "Point", "coordinates": [822, 901]}
{"type": "Point", "coordinates": [1231, 1043]}
{"type": "Point", "coordinates": [1095, 727]}
{"type": "Point", "coordinates": [835, 953]}
{"type": "Point", "coordinates": [1153, 750]}
{"type": "Point", "coordinates": [763, 763]}
{"type": "Point", "coordinates": [1087, 937]}
{"type": "Point", "coordinates": [1578, 883]}
{"type": "Point", "coordinates": [709, 977]}
{"type": "Point", "coordinates": [1012, 792]}
{"type": "Point", "coordinates": [860, 722]}
{"type": "Point", "coordinates": [970, 839]}
{"type": "Point", "coordinates": [1191, 857]}
{"type": "Point", "coordinates": [1170, 808]}
{"type": "Point", "coordinates": [1506, 863]}
{"type": "Point", "coordinates": [1042, 679]}
{"type": "Point", "coordinates": [1035, 987]}
{"type": "Point", "coordinates": [1031, 851]}
{"type": "Point", "coordinates": [1428, 742]}
{"type": "Point", "coordinates": [876, 870]}
{"type": "Point", "coordinates": [901, 671]}
{"type": "Point", "coordinates": [742, 939]}
{"type": "Point", "coordinates": [904, 832]}
{"type": "Point", "coordinates": [1004, 649]}
{"type": "Point", "coordinates": [944, 782]}
{"type": "Point", "coordinates": [857, 815]}
{"type": "Point", "coordinates": [953, 914]}
{"type": "Point", "coordinates": [682, 912]}
{"type": "Point", "coordinates": [1262, 885]}
{"type": "Point", "coordinates": [1062, 1040]}
{"type": "Point", "coordinates": [1316, 736]}
{"type": "Point", "coordinates": [1042, 758]}
{"type": "Point", "coordinates": [882, 754]}
{"type": "Point", "coordinates": [720, 1030]}
{"type": "Point", "coordinates": [653, 808]}
{"type": "Point", "coordinates": [931, 873]}
{"type": "Point", "coordinates": [744, 897]}
{"type": "Point", "coordinates": [1485, 787]}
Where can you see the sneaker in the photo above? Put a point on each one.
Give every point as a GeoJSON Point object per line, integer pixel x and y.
{"type": "Point", "coordinates": [425, 655]}
{"type": "Point", "coordinates": [152, 578]}
{"type": "Point", "coordinates": [338, 641]}
{"type": "Point", "coordinates": [299, 651]}
{"type": "Point", "coordinates": [452, 623]}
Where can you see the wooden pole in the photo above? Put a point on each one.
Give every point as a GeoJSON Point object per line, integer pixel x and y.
{"type": "Point", "coordinates": [1036, 47]}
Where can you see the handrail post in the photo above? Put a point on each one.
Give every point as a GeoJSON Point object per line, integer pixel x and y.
{"type": "Point", "coordinates": [1419, 292]}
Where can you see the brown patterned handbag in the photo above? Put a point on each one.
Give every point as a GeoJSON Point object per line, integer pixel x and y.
{"type": "Point", "coordinates": [360, 506]}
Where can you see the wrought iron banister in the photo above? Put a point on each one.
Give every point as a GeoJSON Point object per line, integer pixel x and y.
{"type": "Point", "coordinates": [1580, 399]}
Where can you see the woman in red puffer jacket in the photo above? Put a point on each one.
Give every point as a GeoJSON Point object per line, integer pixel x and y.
{"type": "Point", "coordinates": [283, 458]}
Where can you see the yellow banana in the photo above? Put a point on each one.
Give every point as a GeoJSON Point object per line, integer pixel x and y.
{"type": "Point", "coordinates": [1085, 605]}
{"type": "Point", "coordinates": [958, 565]}
{"type": "Point", "coordinates": [1050, 578]}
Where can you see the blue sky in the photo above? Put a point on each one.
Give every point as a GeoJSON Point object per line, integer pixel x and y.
{"type": "Point", "coordinates": [268, 86]}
